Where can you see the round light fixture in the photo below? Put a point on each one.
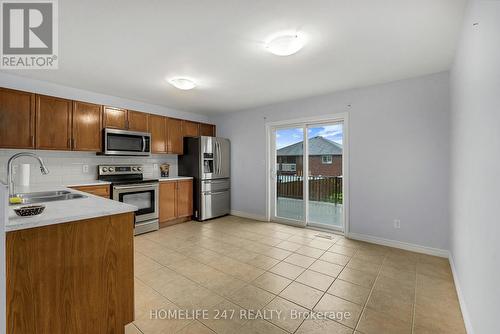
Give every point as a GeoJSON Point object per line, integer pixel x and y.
{"type": "Point", "coordinates": [182, 83]}
{"type": "Point", "coordinates": [286, 44]}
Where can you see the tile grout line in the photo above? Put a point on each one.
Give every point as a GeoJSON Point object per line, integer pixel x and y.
{"type": "Point", "coordinates": [363, 310]}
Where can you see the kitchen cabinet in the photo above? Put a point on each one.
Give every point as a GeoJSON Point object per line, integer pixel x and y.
{"type": "Point", "coordinates": [190, 129]}
{"type": "Point", "coordinates": [137, 121]}
{"type": "Point", "coordinates": [115, 118]}
{"type": "Point", "coordinates": [175, 136]}
{"type": "Point", "coordinates": [53, 123]}
{"type": "Point", "coordinates": [124, 119]}
{"type": "Point", "coordinates": [98, 190]}
{"type": "Point", "coordinates": [29, 120]}
{"type": "Point", "coordinates": [86, 128]}
{"type": "Point", "coordinates": [158, 130]}
{"type": "Point", "coordinates": [17, 119]}
{"type": "Point", "coordinates": [184, 198]}
{"type": "Point", "coordinates": [207, 130]}
{"type": "Point", "coordinates": [168, 198]}
{"type": "Point", "coordinates": [76, 277]}
{"type": "Point", "coordinates": [176, 200]}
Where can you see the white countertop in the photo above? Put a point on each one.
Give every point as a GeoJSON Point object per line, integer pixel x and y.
{"type": "Point", "coordinates": [174, 178]}
{"type": "Point", "coordinates": [87, 183]}
{"type": "Point", "coordinates": [58, 212]}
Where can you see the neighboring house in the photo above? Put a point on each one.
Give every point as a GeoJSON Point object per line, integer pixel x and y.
{"type": "Point", "coordinates": [325, 158]}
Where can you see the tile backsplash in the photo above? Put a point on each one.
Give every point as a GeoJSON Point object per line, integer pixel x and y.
{"type": "Point", "coordinates": [67, 167]}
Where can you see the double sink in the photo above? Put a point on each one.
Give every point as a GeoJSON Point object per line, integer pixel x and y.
{"type": "Point", "coordinates": [47, 196]}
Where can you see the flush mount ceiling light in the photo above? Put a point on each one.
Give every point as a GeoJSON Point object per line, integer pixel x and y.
{"type": "Point", "coordinates": [182, 83]}
{"type": "Point", "coordinates": [285, 44]}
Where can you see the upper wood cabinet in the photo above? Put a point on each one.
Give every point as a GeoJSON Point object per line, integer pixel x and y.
{"type": "Point", "coordinates": [190, 129]}
{"type": "Point", "coordinates": [137, 121]}
{"type": "Point", "coordinates": [124, 119]}
{"type": "Point", "coordinates": [53, 123]}
{"type": "Point", "coordinates": [207, 130]}
{"type": "Point", "coordinates": [30, 121]}
{"type": "Point", "coordinates": [158, 130]}
{"type": "Point", "coordinates": [175, 143]}
{"type": "Point", "coordinates": [17, 119]}
{"type": "Point", "coordinates": [115, 118]}
{"type": "Point", "coordinates": [87, 124]}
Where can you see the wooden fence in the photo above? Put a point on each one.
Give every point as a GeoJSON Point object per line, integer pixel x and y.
{"type": "Point", "coordinates": [321, 188]}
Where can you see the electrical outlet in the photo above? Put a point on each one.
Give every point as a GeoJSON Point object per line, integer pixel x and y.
{"type": "Point", "coordinates": [155, 166]}
{"type": "Point", "coordinates": [397, 223]}
{"type": "Point", "coordinates": [85, 168]}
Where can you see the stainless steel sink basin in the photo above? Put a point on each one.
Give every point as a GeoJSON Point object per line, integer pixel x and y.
{"type": "Point", "coordinates": [48, 196]}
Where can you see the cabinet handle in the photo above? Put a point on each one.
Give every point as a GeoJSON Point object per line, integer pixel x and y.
{"type": "Point", "coordinates": [32, 140]}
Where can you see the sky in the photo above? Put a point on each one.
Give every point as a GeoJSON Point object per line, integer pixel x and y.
{"type": "Point", "coordinates": [285, 137]}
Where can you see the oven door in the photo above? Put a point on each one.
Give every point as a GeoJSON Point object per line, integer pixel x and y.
{"type": "Point", "coordinates": [144, 197]}
{"type": "Point", "coordinates": [122, 142]}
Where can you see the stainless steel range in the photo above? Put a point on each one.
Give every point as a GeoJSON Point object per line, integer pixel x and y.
{"type": "Point", "coordinates": [129, 186]}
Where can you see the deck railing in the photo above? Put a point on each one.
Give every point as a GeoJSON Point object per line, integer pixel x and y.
{"type": "Point", "coordinates": [321, 188]}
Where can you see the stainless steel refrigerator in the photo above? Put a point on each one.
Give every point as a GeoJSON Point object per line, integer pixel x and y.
{"type": "Point", "coordinates": [207, 160]}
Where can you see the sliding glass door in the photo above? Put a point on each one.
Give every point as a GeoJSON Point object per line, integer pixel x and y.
{"type": "Point", "coordinates": [289, 182]}
{"type": "Point", "coordinates": [307, 174]}
{"type": "Point", "coordinates": [325, 162]}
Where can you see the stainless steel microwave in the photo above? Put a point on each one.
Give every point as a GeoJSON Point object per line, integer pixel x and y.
{"type": "Point", "coordinates": [123, 142]}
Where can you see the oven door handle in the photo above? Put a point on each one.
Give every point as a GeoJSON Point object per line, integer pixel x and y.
{"type": "Point", "coordinates": [146, 185]}
{"type": "Point", "coordinates": [143, 144]}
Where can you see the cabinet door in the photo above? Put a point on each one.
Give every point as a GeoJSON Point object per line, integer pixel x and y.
{"type": "Point", "coordinates": [115, 118]}
{"type": "Point", "coordinates": [191, 129]}
{"type": "Point", "coordinates": [158, 130]}
{"type": "Point", "coordinates": [167, 203]}
{"type": "Point", "coordinates": [207, 130]}
{"type": "Point", "coordinates": [87, 125]}
{"type": "Point", "coordinates": [184, 198]}
{"type": "Point", "coordinates": [53, 123]}
{"type": "Point", "coordinates": [17, 119]}
{"type": "Point", "coordinates": [138, 121]}
{"type": "Point", "coordinates": [175, 140]}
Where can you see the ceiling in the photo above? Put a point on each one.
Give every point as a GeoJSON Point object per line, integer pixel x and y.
{"type": "Point", "coordinates": [126, 48]}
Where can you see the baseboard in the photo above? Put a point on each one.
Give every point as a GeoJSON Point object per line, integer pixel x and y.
{"type": "Point", "coordinates": [399, 244]}
{"type": "Point", "coordinates": [248, 215]}
{"type": "Point", "coordinates": [461, 299]}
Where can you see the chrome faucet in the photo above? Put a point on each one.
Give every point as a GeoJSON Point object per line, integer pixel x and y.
{"type": "Point", "coordinates": [10, 179]}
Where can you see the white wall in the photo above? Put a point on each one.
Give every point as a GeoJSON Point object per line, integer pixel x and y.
{"type": "Point", "coordinates": [47, 88]}
{"type": "Point", "coordinates": [475, 167]}
{"type": "Point", "coordinates": [399, 149]}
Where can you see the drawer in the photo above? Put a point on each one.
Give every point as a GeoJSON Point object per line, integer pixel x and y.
{"type": "Point", "coordinates": [103, 191]}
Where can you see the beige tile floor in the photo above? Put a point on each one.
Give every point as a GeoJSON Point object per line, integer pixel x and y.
{"type": "Point", "coordinates": [232, 264]}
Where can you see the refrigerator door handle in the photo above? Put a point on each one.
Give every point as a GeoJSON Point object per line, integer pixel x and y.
{"type": "Point", "coordinates": [217, 146]}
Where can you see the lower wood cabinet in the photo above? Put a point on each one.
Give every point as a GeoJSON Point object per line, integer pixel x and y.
{"type": "Point", "coordinates": [99, 190]}
{"type": "Point", "coordinates": [176, 200]}
{"type": "Point", "coordinates": [71, 278]}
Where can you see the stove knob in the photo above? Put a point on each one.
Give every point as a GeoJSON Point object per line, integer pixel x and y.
{"type": "Point", "coordinates": [134, 169]}
{"type": "Point", "coordinates": [111, 169]}
{"type": "Point", "coordinates": [104, 169]}
{"type": "Point", "coordinates": [139, 169]}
